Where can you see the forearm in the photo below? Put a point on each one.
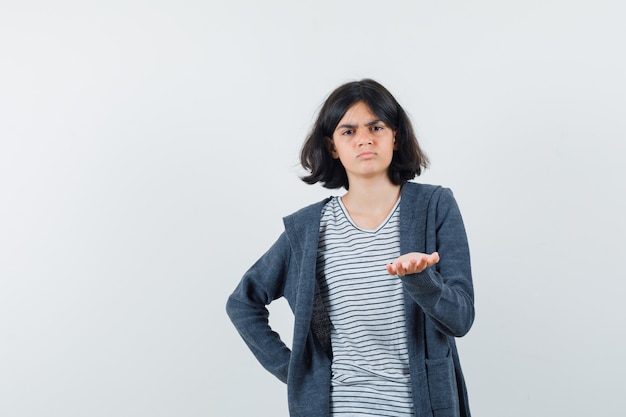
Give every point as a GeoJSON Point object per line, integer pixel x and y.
{"type": "Point", "coordinates": [246, 307]}
{"type": "Point", "coordinates": [445, 291]}
{"type": "Point", "coordinates": [251, 321]}
{"type": "Point", "coordinates": [450, 308]}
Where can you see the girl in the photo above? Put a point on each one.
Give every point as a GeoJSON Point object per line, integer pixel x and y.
{"type": "Point", "coordinates": [378, 279]}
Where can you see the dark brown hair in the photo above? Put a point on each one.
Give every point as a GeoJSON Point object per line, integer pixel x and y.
{"type": "Point", "coordinates": [408, 159]}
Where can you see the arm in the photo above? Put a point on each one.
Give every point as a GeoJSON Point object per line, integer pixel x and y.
{"type": "Point", "coordinates": [441, 283]}
{"type": "Point", "coordinates": [246, 307]}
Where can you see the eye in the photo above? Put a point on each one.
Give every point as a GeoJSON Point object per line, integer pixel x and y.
{"type": "Point", "coordinates": [347, 132]}
{"type": "Point", "coordinates": [377, 128]}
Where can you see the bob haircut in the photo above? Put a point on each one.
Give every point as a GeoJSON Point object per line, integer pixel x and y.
{"type": "Point", "coordinates": [408, 159]}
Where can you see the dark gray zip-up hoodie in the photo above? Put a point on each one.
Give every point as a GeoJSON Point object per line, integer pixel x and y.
{"type": "Point", "coordinates": [439, 304]}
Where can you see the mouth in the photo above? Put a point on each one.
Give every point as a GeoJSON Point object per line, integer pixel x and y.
{"type": "Point", "coordinates": [366, 155]}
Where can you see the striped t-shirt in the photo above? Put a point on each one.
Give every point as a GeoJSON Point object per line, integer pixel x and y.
{"type": "Point", "coordinates": [370, 368]}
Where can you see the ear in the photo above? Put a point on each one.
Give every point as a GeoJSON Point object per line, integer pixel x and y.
{"type": "Point", "coordinates": [395, 144]}
{"type": "Point", "coordinates": [331, 147]}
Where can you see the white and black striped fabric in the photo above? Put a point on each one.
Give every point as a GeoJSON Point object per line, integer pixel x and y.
{"type": "Point", "coordinates": [370, 370]}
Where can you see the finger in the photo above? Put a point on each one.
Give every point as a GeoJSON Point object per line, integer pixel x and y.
{"type": "Point", "coordinates": [430, 260]}
{"type": "Point", "coordinates": [412, 266]}
{"type": "Point", "coordinates": [420, 265]}
{"type": "Point", "coordinates": [407, 267]}
{"type": "Point", "coordinates": [434, 258]}
{"type": "Point", "coordinates": [426, 262]}
{"type": "Point", "coordinates": [395, 268]}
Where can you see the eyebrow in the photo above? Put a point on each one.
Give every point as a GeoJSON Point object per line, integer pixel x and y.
{"type": "Point", "coordinates": [346, 126]}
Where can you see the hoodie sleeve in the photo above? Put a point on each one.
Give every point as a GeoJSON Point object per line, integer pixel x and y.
{"type": "Point", "coordinates": [246, 307]}
{"type": "Point", "coordinates": [445, 291]}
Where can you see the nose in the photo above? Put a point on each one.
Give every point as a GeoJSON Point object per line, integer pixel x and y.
{"type": "Point", "coordinates": [363, 137]}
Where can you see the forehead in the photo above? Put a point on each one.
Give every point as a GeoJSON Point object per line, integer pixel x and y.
{"type": "Point", "coordinates": [358, 113]}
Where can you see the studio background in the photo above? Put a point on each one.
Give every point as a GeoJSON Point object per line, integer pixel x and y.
{"type": "Point", "coordinates": [148, 151]}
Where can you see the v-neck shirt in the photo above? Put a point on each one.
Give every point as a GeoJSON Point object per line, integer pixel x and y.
{"type": "Point", "coordinates": [370, 368]}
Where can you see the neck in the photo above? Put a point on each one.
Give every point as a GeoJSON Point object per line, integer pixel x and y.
{"type": "Point", "coordinates": [372, 195]}
{"type": "Point", "coordinates": [369, 205]}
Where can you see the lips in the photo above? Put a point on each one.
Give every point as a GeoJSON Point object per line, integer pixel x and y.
{"type": "Point", "coordinates": [366, 155]}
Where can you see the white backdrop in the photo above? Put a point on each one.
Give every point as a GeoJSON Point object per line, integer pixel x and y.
{"type": "Point", "coordinates": [148, 151]}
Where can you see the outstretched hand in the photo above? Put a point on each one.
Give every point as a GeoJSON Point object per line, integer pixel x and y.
{"type": "Point", "coordinates": [412, 263]}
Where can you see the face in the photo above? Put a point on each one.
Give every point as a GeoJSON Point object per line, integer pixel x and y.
{"type": "Point", "coordinates": [363, 143]}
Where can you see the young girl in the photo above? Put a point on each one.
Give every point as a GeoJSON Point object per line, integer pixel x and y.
{"type": "Point", "coordinates": [378, 279]}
